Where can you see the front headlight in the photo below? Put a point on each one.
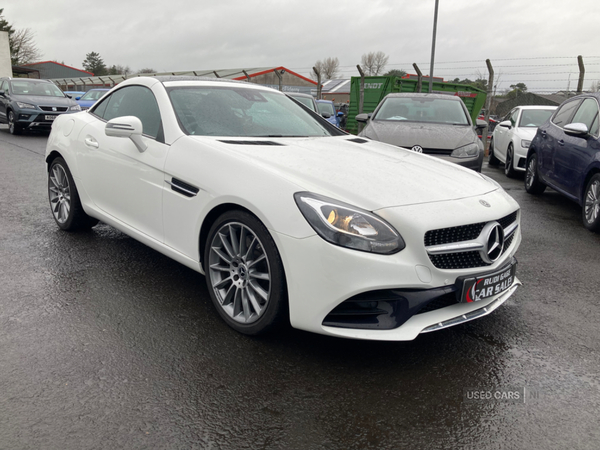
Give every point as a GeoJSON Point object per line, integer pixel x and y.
{"type": "Point", "coordinates": [525, 144]}
{"type": "Point", "coordinates": [467, 151]}
{"type": "Point", "coordinates": [75, 108]}
{"type": "Point", "coordinates": [25, 105]}
{"type": "Point", "coordinates": [348, 226]}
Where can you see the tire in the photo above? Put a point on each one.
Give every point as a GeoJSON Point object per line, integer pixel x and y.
{"type": "Point", "coordinates": [591, 204]}
{"type": "Point", "coordinates": [509, 169]}
{"type": "Point", "coordinates": [533, 184]}
{"type": "Point", "coordinates": [13, 128]}
{"type": "Point", "coordinates": [64, 199]}
{"type": "Point", "coordinates": [492, 161]}
{"type": "Point", "coordinates": [244, 274]}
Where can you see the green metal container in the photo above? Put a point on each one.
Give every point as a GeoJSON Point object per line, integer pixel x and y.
{"type": "Point", "coordinates": [376, 88]}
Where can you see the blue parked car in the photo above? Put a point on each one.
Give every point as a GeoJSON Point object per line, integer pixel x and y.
{"type": "Point", "coordinates": [91, 97]}
{"type": "Point", "coordinates": [327, 110]}
{"type": "Point", "coordinates": [565, 155]}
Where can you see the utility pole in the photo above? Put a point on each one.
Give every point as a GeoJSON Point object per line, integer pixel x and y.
{"type": "Point", "coordinates": [581, 74]}
{"type": "Point", "coordinates": [419, 78]}
{"type": "Point", "coordinates": [361, 98]}
{"type": "Point", "coordinates": [433, 47]}
{"type": "Point", "coordinates": [318, 83]}
{"type": "Point", "coordinates": [488, 102]}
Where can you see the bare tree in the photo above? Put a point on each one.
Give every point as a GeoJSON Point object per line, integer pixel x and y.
{"type": "Point", "coordinates": [23, 48]}
{"type": "Point", "coordinates": [328, 68]}
{"type": "Point", "coordinates": [595, 87]}
{"type": "Point", "coordinates": [373, 63]}
{"type": "Point", "coordinates": [147, 70]}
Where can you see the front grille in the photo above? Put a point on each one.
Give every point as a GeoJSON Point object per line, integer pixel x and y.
{"type": "Point", "coordinates": [463, 233]}
{"type": "Point", "coordinates": [437, 151]}
{"type": "Point", "coordinates": [464, 260]}
{"type": "Point", "coordinates": [453, 234]}
{"type": "Point", "coordinates": [53, 108]}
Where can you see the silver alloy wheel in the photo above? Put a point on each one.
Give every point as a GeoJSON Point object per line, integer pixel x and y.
{"type": "Point", "coordinates": [530, 175]}
{"type": "Point", "coordinates": [239, 271]}
{"type": "Point", "coordinates": [60, 193]}
{"type": "Point", "coordinates": [592, 202]}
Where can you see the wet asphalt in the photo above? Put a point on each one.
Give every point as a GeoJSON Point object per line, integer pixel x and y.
{"type": "Point", "coordinates": [106, 344]}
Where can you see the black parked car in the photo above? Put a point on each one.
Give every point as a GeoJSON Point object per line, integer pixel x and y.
{"type": "Point", "coordinates": [31, 103]}
{"type": "Point", "coordinates": [565, 155]}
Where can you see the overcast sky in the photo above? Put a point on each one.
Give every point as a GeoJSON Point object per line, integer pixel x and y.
{"type": "Point", "coordinates": [535, 42]}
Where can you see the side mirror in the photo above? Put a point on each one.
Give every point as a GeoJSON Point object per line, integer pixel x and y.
{"type": "Point", "coordinates": [2, 92]}
{"type": "Point", "coordinates": [363, 117]}
{"type": "Point", "coordinates": [127, 127]}
{"type": "Point", "coordinates": [506, 124]}
{"type": "Point", "coordinates": [77, 98]}
{"type": "Point", "coordinates": [577, 129]}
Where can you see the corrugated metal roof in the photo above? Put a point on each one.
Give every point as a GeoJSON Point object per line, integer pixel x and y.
{"type": "Point", "coordinates": [231, 74]}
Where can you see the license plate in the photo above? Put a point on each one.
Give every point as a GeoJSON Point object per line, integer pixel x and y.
{"type": "Point", "coordinates": [50, 118]}
{"type": "Point", "coordinates": [489, 285]}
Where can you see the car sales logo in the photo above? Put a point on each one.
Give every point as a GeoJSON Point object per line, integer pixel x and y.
{"type": "Point", "coordinates": [417, 148]}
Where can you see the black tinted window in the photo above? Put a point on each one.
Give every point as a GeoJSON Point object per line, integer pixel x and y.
{"type": "Point", "coordinates": [565, 112]}
{"type": "Point", "coordinates": [587, 113]}
{"type": "Point", "coordinates": [135, 101]}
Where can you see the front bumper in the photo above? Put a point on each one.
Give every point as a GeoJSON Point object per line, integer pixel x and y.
{"type": "Point", "coordinates": [321, 276]}
{"type": "Point", "coordinates": [30, 118]}
{"type": "Point", "coordinates": [474, 163]}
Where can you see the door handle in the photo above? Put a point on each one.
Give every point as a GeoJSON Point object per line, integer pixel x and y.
{"type": "Point", "coordinates": [91, 142]}
{"type": "Point", "coordinates": [561, 142]}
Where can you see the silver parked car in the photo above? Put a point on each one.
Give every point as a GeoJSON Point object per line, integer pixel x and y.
{"type": "Point", "coordinates": [434, 124]}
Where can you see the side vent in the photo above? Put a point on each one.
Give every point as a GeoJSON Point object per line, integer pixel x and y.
{"type": "Point", "coordinates": [251, 142]}
{"type": "Point", "coordinates": [183, 188]}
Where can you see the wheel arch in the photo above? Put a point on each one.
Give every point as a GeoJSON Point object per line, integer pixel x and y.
{"type": "Point", "coordinates": [51, 157]}
{"type": "Point", "coordinates": [593, 171]}
{"type": "Point", "coordinates": [212, 216]}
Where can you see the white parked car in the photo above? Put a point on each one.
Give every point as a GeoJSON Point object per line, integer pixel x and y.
{"type": "Point", "coordinates": [512, 136]}
{"type": "Point", "coordinates": [289, 218]}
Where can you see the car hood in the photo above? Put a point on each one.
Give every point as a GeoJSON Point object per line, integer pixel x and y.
{"type": "Point", "coordinates": [44, 100]}
{"type": "Point", "coordinates": [370, 174]}
{"type": "Point", "coordinates": [526, 132]}
{"type": "Point", "coordinates": [427, 135]}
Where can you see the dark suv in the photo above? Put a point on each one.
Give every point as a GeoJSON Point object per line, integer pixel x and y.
{"type": "Point", "coordinates": [31, 103]}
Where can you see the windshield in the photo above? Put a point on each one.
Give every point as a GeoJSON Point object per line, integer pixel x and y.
{"type": "Point", "coordinates": [534, 117]}
{"type": "Point", "coordinates": [241, 111]}
{"type": "Point", "coordinates": [308, 102]}
{"type": "Point", "coordinates": [35, 88]}
{"type": "Point", "coordinates": [93, 95]}
{"type": "Point", "coordinates": [326, 108]}
{"type": "Point", "coordinates": [422, 109]}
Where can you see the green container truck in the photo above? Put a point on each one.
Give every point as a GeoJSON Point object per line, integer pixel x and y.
{"type": "Point", "coordinates": [376, 88]}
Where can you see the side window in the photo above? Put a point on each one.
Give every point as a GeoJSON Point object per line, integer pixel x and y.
{"type": "Point", "coordinates": [587, 113]}
{"type": "Point", "coordinates": [565, 112]}
{"type": "Point", "coordinates": [513, 117]}
{"type": "Point", "coordinates": [135, 101]}
{"type": "Point", "coordinates": [100, 108]}
{"type": "Point", "coordinates": [4, 86]}
{"type": "Point", "coordinates": [594, 127]}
